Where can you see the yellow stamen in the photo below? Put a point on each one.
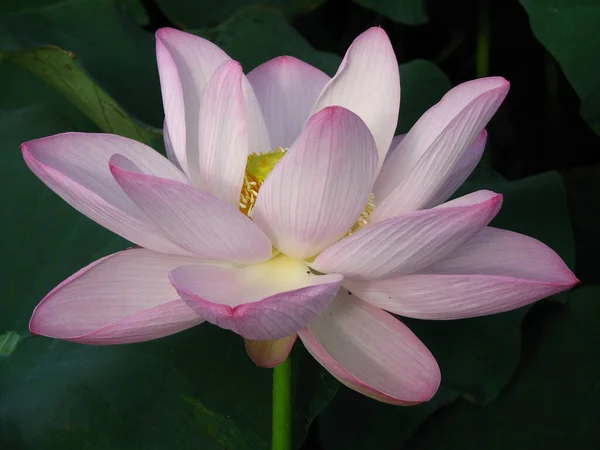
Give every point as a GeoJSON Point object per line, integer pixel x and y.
{"type": "Point", "coordinates": [362, 219]}
{"type": "Point", "coordinates": [258, 168]}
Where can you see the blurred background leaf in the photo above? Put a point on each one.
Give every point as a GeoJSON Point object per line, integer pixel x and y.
{"type": "Point", "coordinates": [552, 403]}
{"type": "Point", "coordinates": [569, 30]}
{"type": "Point", "coordinates": [57, 68]}
{"type": "Point", "coordinates": [106, 39]}
{"type": "Point", "coordinates": [410, 12]}
{"type": "Point", "coordinates": [256, 34]}
{"type": "Point", "coordinates": [200, 14]}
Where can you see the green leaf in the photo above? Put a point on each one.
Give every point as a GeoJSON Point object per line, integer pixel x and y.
{"type": "Point", "coordinates": [313, 388]}
{"type": "Point", "coordinates": [552, 402]}
{"type": "Point", "coordinates": [194, 390]}
{"type": "Point", "coordinates": [355, 422]}
{"type": "Point", "coordinates": [569, 30]}
{"type": "Point", "coordinates": [255, 34]}
{"type": "Point", "coordinates": [583, 190]}
{"type": "Point", "coordinates": [410, 12]}
{"type": "Point", "coordinates": [200, 14]}
{"type": "Point", "coordinates": [8, 343]}
{"type": "Point", "coordinates": [57, 68]}
{"type": "Point", "coordinates": [477, 357]}
{"type": "Point", "coordinates": [109, 44]}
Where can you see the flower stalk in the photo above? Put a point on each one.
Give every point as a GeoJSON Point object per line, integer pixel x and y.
{"type": "Point", "coordinates": [282, 406]}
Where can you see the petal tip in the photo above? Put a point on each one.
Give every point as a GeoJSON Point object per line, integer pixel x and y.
{"type": "Point", "coordinates": [165, 32]}
{"type": "Point", "coordinates": [285, 59]}
{"type": "Point", "coordinates": [431, 385]}
{"type": "Point", "coordinates": [500, 84]}
{"type": "Point", "coordinates": [33, 328]}
{"type": "Point", "coordinates": [570, 279]}
{"type": "Point", "coordinates": [376, 31]}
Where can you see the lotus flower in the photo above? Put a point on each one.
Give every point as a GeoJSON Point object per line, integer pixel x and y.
{"type": "Point", "coordinates": [286, 207]}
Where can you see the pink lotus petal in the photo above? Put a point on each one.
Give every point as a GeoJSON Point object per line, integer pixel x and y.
{"type": "Point", "coordinates": [260, 302]}
{"type": "Point", "coordinates": [258, 134]}
{"type": "Point", "coordinates": [493, 272]}
{"type": "Point", "coordinates": [318, 189]}
{"type": "Point", "coordinates": [287, 90]}
{"type": "Point", "coordinates": [122, 298]}
{"type": "Point", "coordinates": [407, 243]}
{"type": "Point", "coordinates": [194, 219]}
{"type": "Point", "coordinates": [75, 166]}
{"type": "Point", "coordinates": [185, 64]}
{"type": "Point", "coordinates": [396, 140]}
{"type": "Point", "coordinates": [171, 156]}
{"type": "Point", "coordinates": [368, 83]}
{"type": "Point", "coordinates": [270, 354]}
{"type": "Point", "coordinates": [460, 173]}
{"type": "Point", "coordinates": [372, 352]}
{"type": "Point", "coordinates": [223, 135]}
{"type": "Point", "coordinates": [435, 147]}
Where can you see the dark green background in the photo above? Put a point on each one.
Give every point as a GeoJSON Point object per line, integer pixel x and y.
{"type": "Point", "coordinates": [528, 379]}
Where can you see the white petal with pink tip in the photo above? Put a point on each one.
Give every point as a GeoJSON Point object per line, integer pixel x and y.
{"type": "Point", "coordinates": [261, 302]}
{"type": "Point", "coordinates": [407, 243]}
{"type": "Point", "coordinates": [122, 298]}
{"type": "Point", "coordinates": [368, 84]}
{"type": "Point", "coordinates": [287, 90]}
{"type": "Point", "coordinates": [372, 352]}
{"type": "Point", "coordinates": [75, 166]}
{"type": "Point", "coordinates": [435, 146]}
{"type": "Point", "coordinates": [318, 189]}
{"type": "Point", "coordinates": [493, 272]}
{"type": "Point", "coordinates": [221, 161]}
{"type": "Point", "coordinates": [196, 220]}
{"type": "Point", "coordinates": [185, 64]}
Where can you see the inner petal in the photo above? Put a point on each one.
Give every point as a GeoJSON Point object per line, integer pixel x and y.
{"type": "Point", "coordinates": [260, 166]}
{"type": "Point", "coordinates": [249, 284]}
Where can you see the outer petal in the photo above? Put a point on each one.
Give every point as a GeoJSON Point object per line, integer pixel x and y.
{"type": "Point", "coordinates": [223, 135]}
{"type": "Point", "coordinates": [407, 243]}
{"type": "Point", "coordinates": [185, 65]}
{"type": "Point", "coordinates": [394, 145]}
{"type": "Point", "coordinates": [372, 352]}
{"type": "Point", "coordinates": [461, 172]}
{"type": "Point", "coordinates": [261, 302]}
{"type": "Point", "coordinates": [368, 83]}
{"type": "Point", "coordinates": [495, 271]}
{"type": "Point", "coordinates": [122, 298]}
{"type": "Point", "coordinates": [434, 148]}
{"type": "Point", "coordinates": [459, 175]}
{"type": "Point", "coordinates": [194, 219]}
{"type": "Point", "coordinates": [75, 166]}
{"type": "Point", "coordinates": [318, 189]}
{"type": "Point", "coordinates": [287, 89]}
{"type": "Point", "coordinates": [169, 147]}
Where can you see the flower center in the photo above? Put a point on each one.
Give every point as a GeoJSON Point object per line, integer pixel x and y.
{"type": "Point", "coordinates": [259, 167]}
{"type": "Point", "coordinates": [362, 219]}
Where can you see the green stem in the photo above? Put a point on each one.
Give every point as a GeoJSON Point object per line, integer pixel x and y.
{"type": "Point", "coordinates": [482, 62]}
{"type": "Point", "coordinates": [282, 406]}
